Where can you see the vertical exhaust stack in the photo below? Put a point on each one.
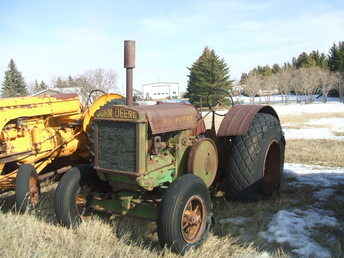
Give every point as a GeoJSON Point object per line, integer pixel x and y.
{"type": "Point", "coordinates": [129, 64]}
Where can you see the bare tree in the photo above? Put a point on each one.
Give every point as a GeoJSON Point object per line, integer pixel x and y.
{"type": "Point", "coordinates": [328, 81]}
{"type": "Point", "coordinates": [283, 84]}
{"type": "Point", "coordinates": [97, 79]}
{"type": "Point", "coordinates": [252, 86]}
{"type": "Point", "coordinates": [339, 82]}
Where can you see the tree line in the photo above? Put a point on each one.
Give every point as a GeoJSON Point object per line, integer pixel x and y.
{"type": "Point", "coordinates": [14, 84]}
{"type": "Point", "coordinates": [306, 75]}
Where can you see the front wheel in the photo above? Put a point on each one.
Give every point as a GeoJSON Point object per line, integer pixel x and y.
{"type": "Point", "coordinates": [27, 188]}
{"type": "Point", "coordinates": [185, 214]}
{"type": "Point", "coordinates": [70, 197]}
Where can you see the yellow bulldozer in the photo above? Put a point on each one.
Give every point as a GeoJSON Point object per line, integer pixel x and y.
{"type": "Point", "coordinates": [41, 137]}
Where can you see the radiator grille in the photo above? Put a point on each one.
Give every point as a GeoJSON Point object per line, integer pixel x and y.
{"type": "Point", "coordinates": [117, 145]}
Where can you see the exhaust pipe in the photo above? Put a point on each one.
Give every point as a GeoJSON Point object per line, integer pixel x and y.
{"type": "Point", "coordinates": [129, 64]}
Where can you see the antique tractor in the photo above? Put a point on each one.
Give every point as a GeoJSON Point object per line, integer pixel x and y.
{"type": "Point", "coordinates": [40, 137]}
{"type": "Point", "coordinates": [158, 162]}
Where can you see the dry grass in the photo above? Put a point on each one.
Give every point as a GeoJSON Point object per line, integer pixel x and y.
{"type": "Point", "coordinates": [315, 152]}
{"type": "Point", "coordinates": [303, 118]}
{"type": "Point", "coordinates": [338, 133]}
{"type": "Point", "coordinates": [38, 235]}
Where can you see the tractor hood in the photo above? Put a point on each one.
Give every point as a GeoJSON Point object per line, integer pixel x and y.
{"type": "Point", "coordinates": [162, 118]}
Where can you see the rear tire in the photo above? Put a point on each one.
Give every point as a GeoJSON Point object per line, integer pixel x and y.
{"type": "Point", "coordinates": [27, 188]}
{"type": "Point", "coordinates": [185, 214]}
{"type": "Point", "coordinates": [69, 202]}
{"type": "Point", "coordinates": [255, 163]}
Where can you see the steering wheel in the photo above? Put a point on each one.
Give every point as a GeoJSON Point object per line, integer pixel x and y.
{"type": "Point", "coordinates": [219, 100]}
{"type": "Point", "coordinates": [90, 97]}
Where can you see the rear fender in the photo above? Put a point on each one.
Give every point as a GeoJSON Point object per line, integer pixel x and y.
{"type": "Point", "coordinates": [238, 119]}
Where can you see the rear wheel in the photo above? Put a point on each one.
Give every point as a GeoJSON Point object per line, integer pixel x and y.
{"type": "Point", "coordinates": [27, 188]}
{"type": "Point", "coordinates": [71, 196]}
{"type": "Point", "coordinates": [185, 214]}
{"type": "Point", "coordinates": [255, 160]}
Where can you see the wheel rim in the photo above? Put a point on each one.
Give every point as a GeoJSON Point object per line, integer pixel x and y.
{"type": "Point", "coordinates": [193, 220]}
{"type": "Point", "coordinates": [80, 201]}
{"type": "Point", "coordinates": [272, 167]}
{"type": "Point", "coordinates": [34, 190]}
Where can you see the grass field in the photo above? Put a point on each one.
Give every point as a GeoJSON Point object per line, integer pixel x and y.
{"type": "Point", "coordinates": [239, 228]}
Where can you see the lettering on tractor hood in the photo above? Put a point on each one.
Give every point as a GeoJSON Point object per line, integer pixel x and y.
{"type": "Point", "coordinates": [162, 118]}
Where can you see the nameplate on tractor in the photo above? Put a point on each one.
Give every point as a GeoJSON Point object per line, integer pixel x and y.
{"type": "Point", "coordinates": [124, 113]}
{"type": "Point", "coordinates": [118, 113]}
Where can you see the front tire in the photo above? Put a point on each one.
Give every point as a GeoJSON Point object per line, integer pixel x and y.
{"type": "Point", "coordinates": [27, 188]}
{"type": "Point", "coordinates": [70, 200]}
{"type": "Point", "coordinates": [185, 214]}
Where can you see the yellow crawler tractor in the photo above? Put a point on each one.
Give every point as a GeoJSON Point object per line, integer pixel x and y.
{"type": "Point", "coordinates": [39, 137]}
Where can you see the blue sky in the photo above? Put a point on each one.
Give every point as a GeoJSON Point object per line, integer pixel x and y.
{"type": "Point", "coordinates": [58, 38]}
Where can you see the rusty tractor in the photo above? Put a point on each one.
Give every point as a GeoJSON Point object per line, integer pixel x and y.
{"type": "Point", "coordinates": [41, 137]}
{"type": "Point", "coordinates": [158, 162]}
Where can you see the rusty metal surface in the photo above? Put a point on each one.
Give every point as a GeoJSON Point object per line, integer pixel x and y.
{"type": "Point", "coordinates": [193, 222]}
{"type": "Point", "coordinates": [238, 119]}
{"type": "Point", "coordinates": [129, 87]}
{"type": "Point", "coordinates": [34, 190]}
{"type": "Point", "coordinates": [129, 64]}
{"type": "Point", "coordinates": [129, 54]}
{"type": "Point", "coordinates": [170, 117]}
{"type": "Point", "coordinates": [65, 96]}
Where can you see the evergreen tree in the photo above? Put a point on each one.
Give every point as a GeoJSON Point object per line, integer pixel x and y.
{"type": "Point", "coordinates": [276, 68]}
{"type": "Point", "coordinates": [243, 78]}
{"type": "Point", "coordinates": [336, 57]}
{"type": "Point", "coordinates": [208, 72]}
{"type": "Point", "coordinates": [39, 86]}
{"type": "Point", "coordinates": [35, 87]}
{"type": "Point", "coordinates": [60, 83]}
{"type": "Point", "coordinates": [13, 84]}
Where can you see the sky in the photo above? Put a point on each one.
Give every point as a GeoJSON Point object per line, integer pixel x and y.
{"type": "Point", "coordinates": [47, 39]}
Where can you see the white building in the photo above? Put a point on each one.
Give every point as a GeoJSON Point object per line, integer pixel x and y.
{"type": "Point", "coordinates": [161, 90]}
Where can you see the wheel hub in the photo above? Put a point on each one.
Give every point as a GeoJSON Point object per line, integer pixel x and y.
{"type": "Point", "coordinates": [193, 219]}
{"type": "Point", "coordinates": [34, 191]}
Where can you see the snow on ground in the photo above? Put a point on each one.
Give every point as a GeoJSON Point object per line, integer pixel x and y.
{"type": "Point", "coordinates": [294, 227]}
{"type": "Point", "coordinates": [315, 108]}
{"type": "Point", "coordinates": [314, 175]}
{"type": "Point", "coordinates": [332, 124]}
{"type": "Point", "coordinates": [323, 194]}
{"type": "Point", "coordinates": [311, 133]}
{"type": "Point", "coordinates": [336, 123]}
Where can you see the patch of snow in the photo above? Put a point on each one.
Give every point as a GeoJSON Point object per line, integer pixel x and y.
{"type": "Point", "coordinates": [236, 220]}
{"type": "Point", "coordinates": [336, 123]}
{"type": "Point", "coordinates": [323, 194]}
{"type": "Point", "coordinates": [298, 109]}
{"type": "Point", "coordinates": [294, 227]}
{"type": "Point", "coordinates": [339, 198]}
{"type": "Point", "coordinates": [311, 133]}
{"type": "Point", "coordinates": [314, 175]}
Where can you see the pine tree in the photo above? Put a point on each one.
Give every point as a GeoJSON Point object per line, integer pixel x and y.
{"type": "Point", "coordinates": [336, 57]}
{"type": "Point", "coordinates": [13, 84]}
{"type": "Point", "coordinates": [243, 78]}
{"type": "Point", "coordinates": [208, 73]}
{"type": "Point", "coordinates": [276, 68]}
{"type": "Point", "coordinates": [39, 86]}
